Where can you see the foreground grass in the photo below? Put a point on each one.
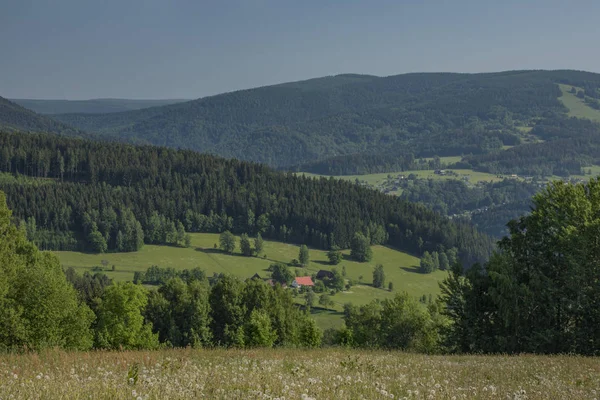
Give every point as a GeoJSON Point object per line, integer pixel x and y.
{"type": "Point", "coordinates": [294, 374]}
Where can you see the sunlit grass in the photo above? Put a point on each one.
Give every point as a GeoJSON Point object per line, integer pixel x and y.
{"type": "Point", "coordinates": [577, 107]}
{"type": "Point", "coordinates": [400, 268]}
{"type": "Point", "coordinates": [294, 374]}
{"type": "Point", "coordinates": [377, 179]}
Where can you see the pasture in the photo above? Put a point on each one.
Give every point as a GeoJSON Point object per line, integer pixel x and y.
{"type": "Point", "coordinates": [400, 268]}
{"type": "Point", "coordinates": [577, 107]}
{"type": "Point", "coordinates": [379, 179]}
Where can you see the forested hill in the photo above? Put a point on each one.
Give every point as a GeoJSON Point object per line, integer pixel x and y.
{"type": "Point", "coordinates": [15, 117]}
{"type": "Point", "coordinates": [92, 106]}
{"type": "Point", "coordinates": [73, 194]}
{"type": "Point", "coordinates": [422, 114]}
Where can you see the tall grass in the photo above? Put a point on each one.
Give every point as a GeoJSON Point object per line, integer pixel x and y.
{"type": "Point", "coordinates": [294, 374]}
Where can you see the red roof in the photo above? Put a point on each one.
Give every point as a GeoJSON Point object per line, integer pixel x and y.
{"type": "Point", "coordinates": [304, 281]}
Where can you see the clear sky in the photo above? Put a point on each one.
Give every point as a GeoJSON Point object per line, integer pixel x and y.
{"type": "Point", "coordinates": [81, 49]}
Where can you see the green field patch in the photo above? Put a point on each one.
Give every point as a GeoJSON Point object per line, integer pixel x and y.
{"type": "Point", "coordinates": [447, 160]}
{"type": "Point", "coordinates": [400, 268]}
{"type": "Point", "coordinates": [524, 129]}
{"type": "Point", "coordinates": [577, 107]}
{"type": "Point", "coordinates": [377, 179]}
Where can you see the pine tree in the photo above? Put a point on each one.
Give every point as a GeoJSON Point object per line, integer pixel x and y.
{"type": "Point", "coordinates": [245, 246]}
{"type": "Point", "coordinates": [361, 248]}
{"type": "Point", "coordinates": [426, 264]}
{"type": "Point", "coordinates": [304, 256]}
{"type": "Point", "coordinates": [444, 263]}
{"type": "Point", "coordinates": [180, 233]}
{"type": "Point", "coordinates": [378, 276]}
{"type": "Point", "coordinates": [436, 260]}
{"type": "Point", "coordinates": [258, 245]}
{"type": "Point", "coordinates": [334, 255]}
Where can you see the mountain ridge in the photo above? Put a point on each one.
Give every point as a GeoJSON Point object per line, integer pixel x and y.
{"type": "Point", "coordinates": [303, 122]}
{"type": "Point", "coordinates": [91, 106]}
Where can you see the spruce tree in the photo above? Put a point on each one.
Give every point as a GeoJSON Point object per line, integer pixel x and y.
{"type": "Point", "coordinates": [245, 246]}
{"type": "Point", "coordinates": [258, 245]}
{"type": "Point", "coordinates": [304, 256]}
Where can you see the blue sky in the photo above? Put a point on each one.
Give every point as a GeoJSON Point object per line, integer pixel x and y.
{"type": "Point", "coordinates": [81, 49]}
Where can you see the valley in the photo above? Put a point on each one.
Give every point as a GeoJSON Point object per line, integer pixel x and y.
{"type": "Point", "coordinates": [299, 200]}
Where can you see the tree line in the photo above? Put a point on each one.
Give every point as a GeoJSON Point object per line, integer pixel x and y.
{"type": "Point", "coordinates": [137, 195]}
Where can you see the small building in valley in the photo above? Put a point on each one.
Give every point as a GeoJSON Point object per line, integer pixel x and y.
{"type": "Point", "coordinates": [302, 281]}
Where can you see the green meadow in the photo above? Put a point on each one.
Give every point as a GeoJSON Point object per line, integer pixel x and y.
{"type": "Point", "coordinates": [376, 179]}
{"type": "Point", "coordinates": [577, 107]}
{"type": "Point", "coordinates": [400, 268]}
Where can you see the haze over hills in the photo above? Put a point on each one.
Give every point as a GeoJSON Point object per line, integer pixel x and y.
{"type": "Point", "coordinates": [15, 117]}
{"type": "Point", "coordinates": [421, 114]}
{"type": "Point", "coordinates": [92, 106]}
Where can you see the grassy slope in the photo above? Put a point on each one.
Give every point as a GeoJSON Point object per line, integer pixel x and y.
{"type": "Point", "coordinates": [577, 108]}
{"type": "Point", "coordinates": [375, 179]}
{"type": "Point", "coordinates": [290, 373]}
{"type": "Point", "coordinates": [400, 268]}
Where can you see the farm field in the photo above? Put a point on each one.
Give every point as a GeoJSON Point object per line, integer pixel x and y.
{"type": "Point", "coordinates": [577, 108]}
{"type": "Point", "coordinates": [400, 268]}
{"type": "Point", "coordinates": [376, 179]}
{"type": "Point", "coordinates": [294, 374]}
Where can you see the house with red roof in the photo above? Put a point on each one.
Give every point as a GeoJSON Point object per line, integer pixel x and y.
{"type": "Point", "coordinates": [302, 281]}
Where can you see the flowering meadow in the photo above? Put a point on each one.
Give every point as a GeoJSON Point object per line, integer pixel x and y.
{"type": "Point", "coordinates": [294, 374]}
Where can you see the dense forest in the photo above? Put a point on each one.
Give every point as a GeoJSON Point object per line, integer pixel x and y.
{"type": "Point", "coordinates": [326, 118]}
{"type": "Point", "coordinates": [569, 144]}
{"type": "Point", "coordinates": [350, 124]}
{"type": "Point", "coordinates": [539, 293]}
{"type": "Point", "coordinates": [488, 205]}
{"type": "Point", "coordinates": [112, 196]}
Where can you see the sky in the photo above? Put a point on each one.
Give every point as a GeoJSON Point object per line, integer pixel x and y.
{"type": "Point", "coordinates": [159, 49]}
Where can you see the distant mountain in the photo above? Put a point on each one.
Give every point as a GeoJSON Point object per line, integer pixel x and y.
{"type": "Point", "coordinates": [410, 115]}
{"type": "Point", "coordinates": [15, 117]}
{"type": "Point", "coordinates": [93, 106]}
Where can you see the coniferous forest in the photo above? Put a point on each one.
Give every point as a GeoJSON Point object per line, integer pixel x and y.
{"type": "Point", "coordinates": [116, 197]}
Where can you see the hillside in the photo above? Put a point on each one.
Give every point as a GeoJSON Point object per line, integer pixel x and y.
{"type": "Point", "coordinates": [15, 117]}
{"type": "Point", "coordinates": [111, 196]}
{"type": "Point", "coordinates": [93, 106]}
{"type": "Point", "coordinates": [423, 114]}
{"type": "Point", "coordinates": [400, 268]}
